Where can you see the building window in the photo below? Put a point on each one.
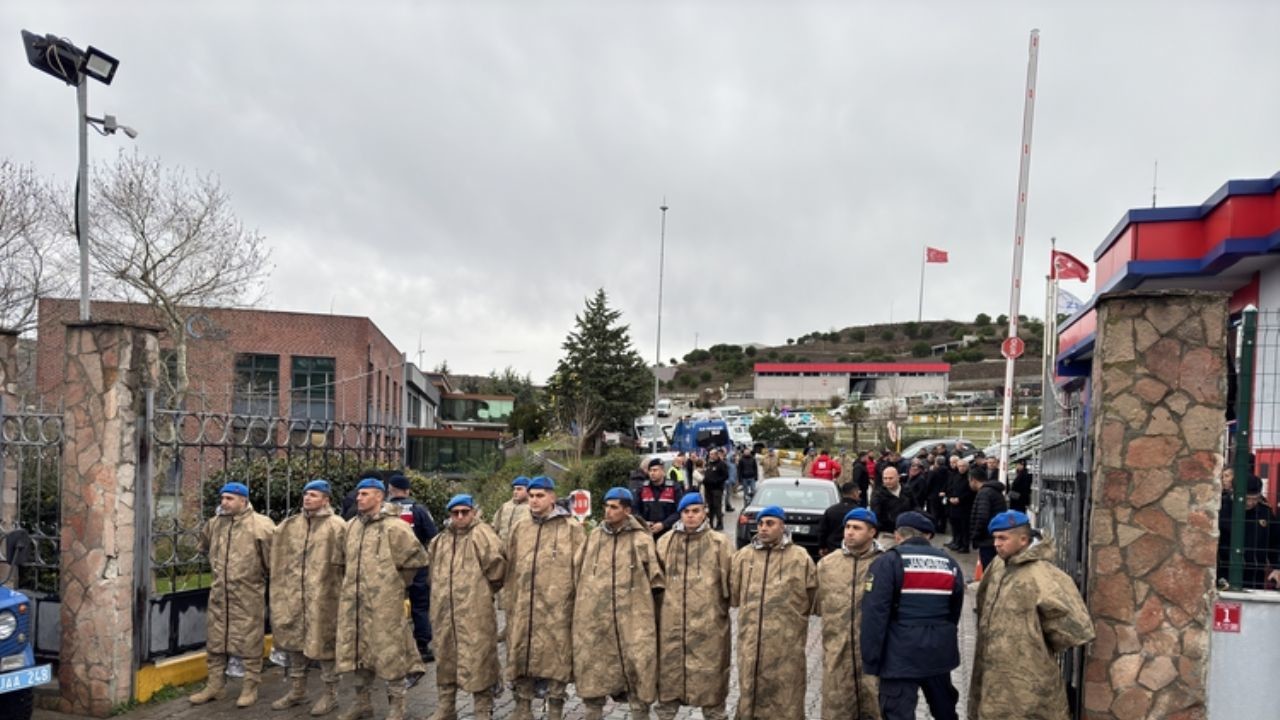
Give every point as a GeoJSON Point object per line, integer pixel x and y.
{"type": "Point", "coordinates": [257, 385]}
{"type": "Point", "coordinates": [312, 396]}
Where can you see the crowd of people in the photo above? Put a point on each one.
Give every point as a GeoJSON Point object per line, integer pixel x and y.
{"type": "Point", "coordinates": [637, 609]}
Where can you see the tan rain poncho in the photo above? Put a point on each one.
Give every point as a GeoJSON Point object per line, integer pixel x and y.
{"type": "Point", "coordinates": [773, 588]}
{"type": "Point", "coordinates": [508, 515]}
{"type": "Point", "coordinates": [694, 642]}
{"type": "Point", "coordinates": [374, 632]}
{"type": "Point", "coordinates": [306, 574]}
{"type": "Point", "coordinates": [540, 578]}
{"type": "Point", "coordinates": [614, 621]}
{"type": "Point", "coordinates": [847, 692]}
{"type": "Point", "coordinates": [239, 551]}
{"type": "Point", "coordinates": [1028, 612]}
{"type": "Point", "coordinates": [467, 567]}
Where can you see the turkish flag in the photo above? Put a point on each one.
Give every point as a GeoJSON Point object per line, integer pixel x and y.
{"type": "Point", "coordinates": [934, 255]}
{"type": "Point", "coordinates": [1067, 267]}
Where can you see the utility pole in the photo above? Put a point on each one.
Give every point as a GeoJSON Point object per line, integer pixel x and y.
{"type": "Point", "coordinates": [657, 360]}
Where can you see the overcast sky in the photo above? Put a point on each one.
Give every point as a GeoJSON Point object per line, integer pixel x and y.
{"type": "Point", "coordinates": [471, 171]}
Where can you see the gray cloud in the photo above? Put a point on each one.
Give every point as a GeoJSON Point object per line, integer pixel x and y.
{"type": "Point", "coordinates": [472, 171]}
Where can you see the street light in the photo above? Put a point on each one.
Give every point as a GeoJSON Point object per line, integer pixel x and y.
{"type": "Point", "coordinates": [662, 252]}
{"type": "Point", "coordinates": [58, 57]}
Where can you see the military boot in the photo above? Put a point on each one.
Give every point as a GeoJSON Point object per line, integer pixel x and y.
{"type": "Point", "coordinates": [395, 701]}
{"type": "Point", "coordinates": [524, 709]}
{"type": "Point", "coordinates": [362, 708]}
{"type": "Point", "coordinates": [667, 710]}
{"type": "Point", "coordinates": [591, 710]}
{"type": "Point", "coordinates": [328, 700]}
{"type": "Point", "coordinates": [714, 712]}
{"type": "Point", "coordinates": [296, 696]}
{"type": "Point", "coordinates": [447, 703]}
{"type": "Point", "coordinates": [214, 689]}
{"type": "Point", "coordinates": [248, 694]}
{"type": "Point", "coordinates": [639, 711]}
{"type": "Point", "coordinates": [555, 709]}
{"type": "Point", "coordinates": [484, 705]}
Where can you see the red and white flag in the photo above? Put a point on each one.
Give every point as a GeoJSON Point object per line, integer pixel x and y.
{"type": "Point", "coordinates": [934, 255]}
{"type": "Point", "coordinates": [1067, 267]}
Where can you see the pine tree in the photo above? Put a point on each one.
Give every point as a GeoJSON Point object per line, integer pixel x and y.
{"type": "Point", "coordinates": [601, 383]}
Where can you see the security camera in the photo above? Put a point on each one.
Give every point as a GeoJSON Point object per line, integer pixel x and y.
{"type": "Point", "coordinates": [110, 125]}
{"type": "Point", "coordinates": [129, 131]}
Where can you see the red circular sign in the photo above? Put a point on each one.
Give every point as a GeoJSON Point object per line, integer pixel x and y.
{"type": "Point", "coordinates": [580, 500]}
{"type": "Point", "coordinates": [1012, 347]}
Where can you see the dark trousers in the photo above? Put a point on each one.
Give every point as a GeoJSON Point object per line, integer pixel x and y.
{"type": "Point", "coordinates": [987, 555]}
{"type": "Point", "coordinates": [959, 525]}
{"type": "Point", "coordinates": [420, 609]}
{"type": "Point", "coordinates": [898, 697]}
{"type": "Point", "coordinates": [715, 506]}
{"type": "Point", "coordinates": [938, 511]}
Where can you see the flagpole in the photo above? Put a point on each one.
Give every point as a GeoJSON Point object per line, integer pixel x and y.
{"type": "Point", "coordinates": [1020, 224]}
{"type": "Point", "coordinates": [1049, 357]}
{"type": "Point", "coordinates": [924, 258]}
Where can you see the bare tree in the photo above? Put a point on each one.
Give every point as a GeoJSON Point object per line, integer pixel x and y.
{"type": "Point", "coordinates": [172, 241]}
{"type": "Point", "coordinates": [30, 256]}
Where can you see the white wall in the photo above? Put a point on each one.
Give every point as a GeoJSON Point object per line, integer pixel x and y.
{"type": "Point", "coordinates": [1243, 666]}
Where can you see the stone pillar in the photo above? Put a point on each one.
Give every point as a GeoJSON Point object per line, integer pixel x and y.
{"type": "Point", "coordinates": [107, 368]}
{"type": "Point", "coordinates": [1158, 398]}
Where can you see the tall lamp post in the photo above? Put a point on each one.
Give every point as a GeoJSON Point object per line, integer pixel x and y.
{"type": "Point", "coordinates": [59, 58]}
{"type": "Point", "coordinates": [662, 254]}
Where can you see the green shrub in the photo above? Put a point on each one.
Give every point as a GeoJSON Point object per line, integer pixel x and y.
{"type": "Point", "coordinates": [920, 350]}
{"type": "Point", "coordinates": [858, 335]}
{"type": "Point", "coordinates": [887, 334]}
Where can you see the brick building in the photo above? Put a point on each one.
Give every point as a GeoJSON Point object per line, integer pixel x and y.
{"type": "Point", "coordinates": [302, 366]}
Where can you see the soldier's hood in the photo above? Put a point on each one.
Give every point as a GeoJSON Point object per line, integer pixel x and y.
{"type": "Point", "coordinates": [631, 525]}
{"type": "Point", "coordinates": [388, 510]}
{"type": "Point", "coordinates": [871, 549]}
{"type": "Point", "coordinates": [556, 512]}
{"type": "Point", "coordinates": [324, 511]}
{"type": "Point", "coordinates": [783, 543]}
{"type": "Point", "coordinates": [1037, 551]}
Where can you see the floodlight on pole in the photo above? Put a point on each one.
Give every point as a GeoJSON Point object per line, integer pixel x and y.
{"type": "Point", "coordinates": [56, 56]}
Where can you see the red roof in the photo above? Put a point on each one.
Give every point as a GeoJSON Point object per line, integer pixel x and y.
{"type": "Point", "coordinates": [874, 367]}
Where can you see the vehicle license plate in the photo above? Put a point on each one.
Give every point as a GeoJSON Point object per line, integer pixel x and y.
{"type": "Point", "coordinates": [798, 529]}
{"type": "Point", "coordinates": [25, 678]}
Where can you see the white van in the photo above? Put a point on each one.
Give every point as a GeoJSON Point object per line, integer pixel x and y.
{"type": "Point", "coordinates": [664, 407]}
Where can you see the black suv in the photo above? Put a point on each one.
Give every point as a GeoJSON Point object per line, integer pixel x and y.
{"type": "Point", "coordinates": [803, 500]}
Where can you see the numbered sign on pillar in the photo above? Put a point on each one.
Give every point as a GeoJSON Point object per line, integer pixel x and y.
{"type": "Point", "coordinates": [1226, 616]}
{"type": "Point", "coordinates": [580, 504]}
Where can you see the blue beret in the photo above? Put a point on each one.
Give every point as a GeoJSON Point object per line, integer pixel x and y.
{"type": "Point", "coordinates": [1008, 520]}
{"type": "Point", "coordinates": [915, 520]}
{"type": "Point", "coordinates": [318, 485]}
{"type": "Point", "coordinates": [374, 483]}
{"type": "Point", "coordinates": [862, 515]}
{"type": "Point", "coordinates": [772, 511]}
{"type": "Point", "coordinates": [520, 481]}
{"type": "Point", "coordinates": [234, 488]}
{"type": "Point", "coordinates": [620, 493]}
{"type": "Point", "coordinates": [460, 499]}
{"type": "Point", "coordinates": [542, 482]}
{"type": "Point", "coordinates": [692, 498]}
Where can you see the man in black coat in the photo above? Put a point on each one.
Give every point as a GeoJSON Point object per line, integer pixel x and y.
{"type": "Point", "coordinates": [748, 470]}
{"type": "Point", "coordinates": [714, 480]}
{"type": "Point", "coordinates": [959, 506]}
{"type": "Point", "coordinates": [1020, 488]}
{"type": "Point", "coordinates": [861, 478]}
{"type": "Point", "coordinates": [988, 501]}
{"type": "Point", "coordinates": [936, 492]}
{"type": "Point", "coordinates": [889, 500]}
{"type": "Point", "coordinates": [831, 527]}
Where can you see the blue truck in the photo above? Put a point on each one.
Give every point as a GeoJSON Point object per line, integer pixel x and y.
{"type": "Point", "coordinates": [19, 673]}
{"type": "Point", "coordinates": [698, 436]}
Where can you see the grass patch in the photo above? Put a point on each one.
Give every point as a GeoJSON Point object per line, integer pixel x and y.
{"type": "Point", "coordinates": [163, 695]}
{"type": "Point", "coordinates": [193, 581]}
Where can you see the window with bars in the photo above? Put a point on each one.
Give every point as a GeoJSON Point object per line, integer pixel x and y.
{"type": "Point", "coordinates": [312, 396]}
{"type": "Point", "coordinates": [257, 385]}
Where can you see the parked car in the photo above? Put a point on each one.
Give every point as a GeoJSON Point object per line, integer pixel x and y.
{"type": "Point", "coordinates": [20, 673]}
{"type": "Point", "coordinates": [955, 446]}
{"type": "Point", "coordinates": [803, 500]}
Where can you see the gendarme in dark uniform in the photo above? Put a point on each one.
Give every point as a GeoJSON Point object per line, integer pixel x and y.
{"type": "Point", "coordinates": [910, 613]}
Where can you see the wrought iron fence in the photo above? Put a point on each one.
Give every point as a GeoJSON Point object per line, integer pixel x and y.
{"type": "Point", "coordinates": [31, 441]}
{"type": "Point", "coordinates": [188, 455]}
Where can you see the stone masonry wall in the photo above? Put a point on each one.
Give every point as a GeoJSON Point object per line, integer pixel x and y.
{"type": "Point", "coordinates": [107, 368]}
{"type": "Point", "coordinates": [1158, 398]}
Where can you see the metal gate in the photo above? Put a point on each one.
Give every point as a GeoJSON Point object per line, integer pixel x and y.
{"type": "Point", "coordinates": [186, 455]}
{"type": "Point", "coordinates": [31, 440]}
{"type": "Point", "coordinates": [1062, 503]}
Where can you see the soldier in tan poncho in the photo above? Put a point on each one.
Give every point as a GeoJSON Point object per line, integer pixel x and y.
{"type": "Point", "coordinates": [540, 576]}
{"type": "Point", "coordinates": [1029, 611]}
{"type": "Point", "coordinates": [693, 651]}
{"type": "Point", "coordinates": [467, 567]}
{"type": "Point", "coordinates": [237, 541]}
{"type": "Point", "coordinates": [773, 584]}
{"type": "Point", "coordinates": [848, 692]}
{"type": "Point", "coordinates": [615, 647]}
{"type": "Point", "coordinates": [769, 464]}
{"type": "Point", "coordinates": [306, 573]}
{"type": "Point", "coordinates": [375, 637]}
{"type": "Point", "coordinates": [513, 510]}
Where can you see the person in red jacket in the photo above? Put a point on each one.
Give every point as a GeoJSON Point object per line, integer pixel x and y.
{"type": "Point", "coordinates": [824, 467]}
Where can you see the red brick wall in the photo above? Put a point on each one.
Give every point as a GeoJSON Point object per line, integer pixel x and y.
{"type": "Point", "coordinates": [355, 343]}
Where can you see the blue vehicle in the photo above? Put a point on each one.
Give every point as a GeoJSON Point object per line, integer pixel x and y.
{"type": "Point", "coordinates": [19, 673]}
{"type": "Point", "coordinates": [699, 436]}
